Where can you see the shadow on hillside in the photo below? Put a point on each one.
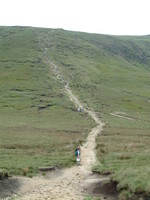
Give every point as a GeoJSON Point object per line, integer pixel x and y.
{"type": "Point", "coordinates": [107, 190]}
{"type": "Point", "coordinates": [8, 187]}
{"type": "Point", "coordinates": [102, 188]}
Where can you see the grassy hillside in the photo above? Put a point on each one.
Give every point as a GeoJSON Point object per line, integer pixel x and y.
{"type": "Point", "coordinates": [39, 126]}
{"type": "Point", "coordinates": [110, 74]}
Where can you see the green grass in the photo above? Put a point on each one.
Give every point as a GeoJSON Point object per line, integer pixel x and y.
{"type": "Point", "coordinates": [39, 126]}
{"type": "Point", "coordinates": [125, 154]}
{"type": "Point", "coordinates": [109, 74]}
{"type": "Point", "coordinates": [105, 80]}
{"type": "Point", "coordinates": [91, 198]}
{"type": "Point", "coordinates": [30, 139]}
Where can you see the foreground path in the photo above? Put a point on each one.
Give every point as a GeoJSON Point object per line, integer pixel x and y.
{"type": "Point", "coordinates": [68, 184]}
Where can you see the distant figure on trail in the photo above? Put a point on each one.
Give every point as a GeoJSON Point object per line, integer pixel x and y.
{"type": "Point", "coordinates": [77, 154]}
{"type": "Point", "coordinates": [80, 109]}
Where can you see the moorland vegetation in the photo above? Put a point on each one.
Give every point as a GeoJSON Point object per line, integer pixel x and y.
{"type": "Point", "coordinates": [39, 126]}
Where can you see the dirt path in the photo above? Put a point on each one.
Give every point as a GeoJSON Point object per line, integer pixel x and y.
{"type": "Point", "coordinates": [68, 184]}
{"type": "Point", "coordinates": [121, 115]}
{"type": "Point", "coordinates": [88, 150]}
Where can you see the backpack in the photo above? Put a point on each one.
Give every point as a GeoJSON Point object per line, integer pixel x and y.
{"type": "Point", "coordinates": [76, 152]}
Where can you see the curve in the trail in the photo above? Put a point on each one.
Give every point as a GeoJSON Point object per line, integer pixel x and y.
{"type": "Point", "coordinates": [69, 183]}
{"type": "Point", "coordinates": [88, 149]}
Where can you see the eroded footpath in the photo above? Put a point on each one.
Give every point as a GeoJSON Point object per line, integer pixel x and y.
{"type": "Point", "coordinates": [73, 183]}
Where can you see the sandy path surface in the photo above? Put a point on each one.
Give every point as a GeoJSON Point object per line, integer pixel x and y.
{"type": "Point", "coordinates": [67, 184]}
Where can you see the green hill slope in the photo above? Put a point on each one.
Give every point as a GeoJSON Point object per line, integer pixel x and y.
{"type": "Point", "coordinates": [106, 71]}
{"type": "Point", "coordinates": [110, 74]}
{"type": "Point", "coordinates": [39, 126]}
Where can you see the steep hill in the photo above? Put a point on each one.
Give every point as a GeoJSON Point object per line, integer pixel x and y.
{"type": "Point", "coordinates": [110, 74]}
{"type": "Point", "coordinates": [107, 71]}
{"type": "Point", "coordinates": [39, 126]}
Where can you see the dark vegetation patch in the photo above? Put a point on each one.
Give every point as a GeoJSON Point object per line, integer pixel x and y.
{"type": "Point", "coordinates": [8, 187]}
{"type": "Point", "coordinates": [3, 175]}
{"type": "Point", "coordinates": [44, 107]}
{"type": "Point", "coordinates": [105, 189]}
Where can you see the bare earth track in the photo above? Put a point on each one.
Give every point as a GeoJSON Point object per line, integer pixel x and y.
{"type": "Point", "coordinates": [67, 184]}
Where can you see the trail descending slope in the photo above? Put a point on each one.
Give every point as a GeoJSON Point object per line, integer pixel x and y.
{"type": "Point", "coordinates": [72, 183]}
{"type": "Point", "coordinates": [88, 153]}
{"type": "Point", "coordinates": [69, 183]}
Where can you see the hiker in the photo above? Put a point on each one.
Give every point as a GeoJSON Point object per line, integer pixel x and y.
{"type": "Point", "coordinates": [78, 152]}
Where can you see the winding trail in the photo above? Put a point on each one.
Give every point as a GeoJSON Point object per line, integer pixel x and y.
{"type": "Point", "coordinates": [71, 183]}
{"type": "Point", "coordinates": [68, 184]}
{"type": "Point", "coordinates": [88, 150]}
